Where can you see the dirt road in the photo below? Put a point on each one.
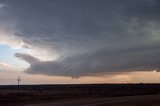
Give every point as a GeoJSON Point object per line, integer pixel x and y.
{"type": "Point", "coordinates": [147, 100]}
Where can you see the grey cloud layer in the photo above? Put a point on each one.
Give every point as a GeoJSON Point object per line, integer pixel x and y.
{"type": "Point", "coordinates": [90, 36]}
{"type": "Point", "coordinates": [139, 59]}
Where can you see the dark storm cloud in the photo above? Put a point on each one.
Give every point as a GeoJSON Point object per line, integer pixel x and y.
{"type": "Point", "coordinates": [140, 59]}
{"type": "Point", "coordinates": [90, 36]}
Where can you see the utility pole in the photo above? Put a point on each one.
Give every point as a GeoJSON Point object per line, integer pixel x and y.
{"type": "Point", "coordinates": [18, 80]}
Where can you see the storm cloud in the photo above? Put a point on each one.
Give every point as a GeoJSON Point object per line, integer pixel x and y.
{"type": "Point", "coordinates": [99, 62]}
{"type": "Point", "coordinates": [85, 37]}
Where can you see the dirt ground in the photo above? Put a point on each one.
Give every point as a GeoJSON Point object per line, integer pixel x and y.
{"type": "Point", "coordinates": [81, 95]}
{"type": "Point", "coordinates": [144, 100]}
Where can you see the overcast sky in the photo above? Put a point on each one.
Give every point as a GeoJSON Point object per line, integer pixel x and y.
{"type": "Point", "coordinates": [79, 38]}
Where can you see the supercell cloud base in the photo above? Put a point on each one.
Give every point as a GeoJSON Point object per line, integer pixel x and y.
{"type": "Point", "coordinates": [80, 39]}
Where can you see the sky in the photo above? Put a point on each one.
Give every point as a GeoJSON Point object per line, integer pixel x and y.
{"type": "Point", "coordinates": [79, 41]}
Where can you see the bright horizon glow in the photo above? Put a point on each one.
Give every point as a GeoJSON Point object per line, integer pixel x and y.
{"type": "Point", "coordinates": [9, 78]}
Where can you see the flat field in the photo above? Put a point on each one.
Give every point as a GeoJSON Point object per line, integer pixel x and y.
{"type": "Point", "coordinates": [81, 95]}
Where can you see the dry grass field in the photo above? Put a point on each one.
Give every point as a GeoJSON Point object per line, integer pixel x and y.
{"type": "Point", "coordinates": [81, 95]}
{"type": "Point", "coordinates": [143, 100]}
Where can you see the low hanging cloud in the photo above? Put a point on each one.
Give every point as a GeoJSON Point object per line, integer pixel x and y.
{"type": "Point", "coordinates": [5, 66]}
{"type": "Point", "coordinates": [100, 62]}
{"type": "Point", "coordinates": [84, 37]}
